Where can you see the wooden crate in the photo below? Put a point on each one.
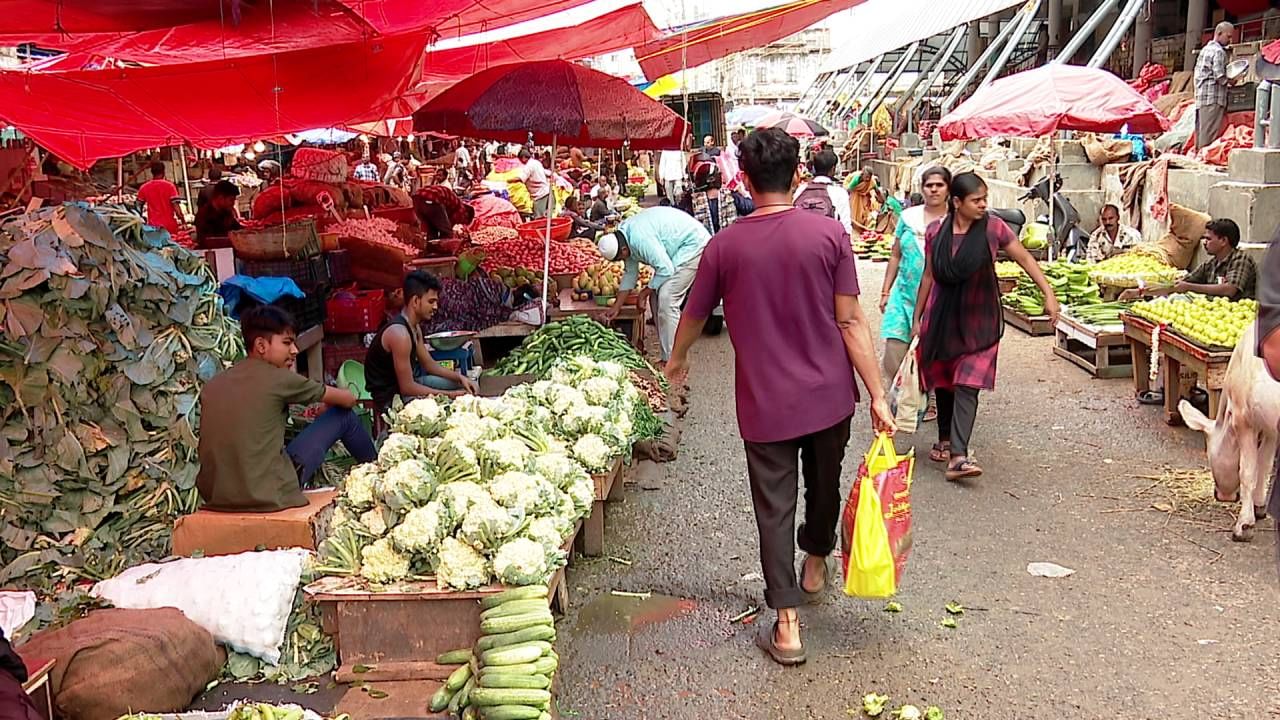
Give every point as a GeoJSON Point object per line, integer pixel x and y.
{"type": "Point", "coordinates": [1183, 365]}
{"type": "Point", "coordinates": [1035, 326]}
{"type": "Point", "coordinates": [1102, 351]}
{"type": "Point", "coordinates": [608, 487]}
{"type": "Point", "coordinates": [397, 634]}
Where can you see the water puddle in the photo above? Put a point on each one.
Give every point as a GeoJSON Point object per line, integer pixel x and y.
{"type": "Point", "coordinates": [617, 614]}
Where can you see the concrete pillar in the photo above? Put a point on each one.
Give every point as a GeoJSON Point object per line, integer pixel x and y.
{"type": "Point", "coordinates": [972, 42]}
{"type": "Point", "coordinates": [1141, 40]}
{"type": "Point", "coordinates": [1055, 27]}
{"type": "Point", "coordinates": [1197, 16]}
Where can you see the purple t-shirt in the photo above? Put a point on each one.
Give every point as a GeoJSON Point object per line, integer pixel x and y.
{"type": "Point", "coordinates": [778, 275]}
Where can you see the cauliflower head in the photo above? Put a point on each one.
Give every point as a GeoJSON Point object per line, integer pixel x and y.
{"type": "Point", "coordinates": [458, 497]}
{"type": "Point", "coordinates": [600, 390]}
{"type": "Point", "coordinates": [380, 562]}
{"type": "Point", "coordinates": [464, 428]}
{"type": "Point", "coordinates": [460, 567]}
{"type": "Point", "coordinates": [423, 416]}
{"type": "Point", "coordinates": [593, 452]}
{"type": "Point", "coordinates": [583, 493]}
{"type": "Point", "coordinates": [503, 454]}
{"type": "Point", "coordinates": [358, 488]}
{"type": "Point", "coordinates": [521, 562]}
{"type": "Point", "coordinates": [374, 521]}
{"type": "Point", "coordinates": [422, 529]}
{"type": "Point", "coordinates": [523, 493]}
{"type": "Point", "coordinates": [487, 524]}
{"type": "Point", "coordinates": [559, 469]}
{"type": "Point", "coordinates": [546, 531]}
{"type": "Point", "coordinates": [409, 483]}
{"type": "Point", "coordinates": [583, 419]}
{"type": "Point", "coordinates": [397, 447]}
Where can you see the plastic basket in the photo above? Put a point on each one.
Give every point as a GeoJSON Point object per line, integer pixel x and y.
{"type": "Point", "coordinates": [307, 312]}
{"type": "Point", "coordinates": [536, 230]}
{"type": "Point", "coordinates": [339, 266]}
{"type": "Point", "coordinates": [355, 311]}
{"type": "Point", "coordinates": [309, 273]}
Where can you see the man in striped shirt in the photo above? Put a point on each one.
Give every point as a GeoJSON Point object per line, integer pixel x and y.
{"type": "Point", "coordinates": [1211, 86]}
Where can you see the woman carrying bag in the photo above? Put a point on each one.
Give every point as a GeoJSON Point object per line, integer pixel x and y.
{"type": "Point", "coordinates": [906, 268]}
{"type": "Point", "coordinates": [958, 317]}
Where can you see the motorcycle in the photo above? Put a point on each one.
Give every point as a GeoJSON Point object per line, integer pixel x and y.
{"type": "Point", "coordinates": [1070, 241]}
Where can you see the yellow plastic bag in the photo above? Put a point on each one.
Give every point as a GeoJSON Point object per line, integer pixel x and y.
{"type": "Point", "coordinates": [878, 541]}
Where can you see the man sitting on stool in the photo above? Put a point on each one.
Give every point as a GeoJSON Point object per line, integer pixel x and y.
{"type": "Point", "coordinates": [398, 362]}
{"type": "Point", "coordinates": [244, 464]}
{"type": "Point", "coordinates": [1227, 273]}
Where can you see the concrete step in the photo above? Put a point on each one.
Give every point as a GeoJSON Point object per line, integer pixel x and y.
{"type": "Point", "coordinates": [1255, 165]}
{"type": "Point", "coordinates": [1254, 207]}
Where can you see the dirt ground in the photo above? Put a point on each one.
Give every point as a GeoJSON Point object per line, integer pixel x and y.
{"type": "Point", "coordinates": [1165, 617]}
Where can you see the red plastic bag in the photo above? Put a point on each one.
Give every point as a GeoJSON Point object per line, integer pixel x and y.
{"type": "Point", "coordinates": [890, 475]}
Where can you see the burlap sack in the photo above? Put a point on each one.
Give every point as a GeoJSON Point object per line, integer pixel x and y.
{"type": "Point", "coordinates": [1186, 227]}
{"type": "Point", "coordinates": [1110, 150]}
{"type": "Point", "coordinates": [116, 661]}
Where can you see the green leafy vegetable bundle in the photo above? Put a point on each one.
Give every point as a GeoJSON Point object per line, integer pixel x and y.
{"type": "Point", "coordinates": [107, 331]}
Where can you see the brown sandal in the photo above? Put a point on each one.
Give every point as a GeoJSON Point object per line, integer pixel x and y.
{"type": "Point", "coordinates": [828, 572]}
{"type": "Point", "coordinates": [765, 639]}
{"type": "Point", "coordinates": [940, 452]}
{"type": "Point", "coordinates": [966, 468]}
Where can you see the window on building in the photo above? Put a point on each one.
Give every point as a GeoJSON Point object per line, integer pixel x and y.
{"type": "Point", "coordinates": [793, 73]}
{"type": "Point", "coordinates": [762, 72]}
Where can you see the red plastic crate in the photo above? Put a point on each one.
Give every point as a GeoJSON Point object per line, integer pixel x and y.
{"type": "Point", "coordinates": [355, 311]}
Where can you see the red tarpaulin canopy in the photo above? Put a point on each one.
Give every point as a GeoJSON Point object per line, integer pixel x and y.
{"type": "Point", "coordinates": [558, 101]}
{"type": "Point", "coordinates": [92, 16]}
{"type": "Point", "coordinates": [84, 115]}
{"type": "Point", "coordinates": [284, 25]}
{"type": "Point", "coordinates": [705, 42]}
{"type": "Point", "coordinates": [1053, 97]}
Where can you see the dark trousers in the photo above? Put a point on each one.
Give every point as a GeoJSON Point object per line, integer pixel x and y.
{"type": "Point", "coordinates": [308, 449]}
{"type": "Point", "coordinates": [957, 411]}
{"type": "Point", "coordinates": [774, 472]}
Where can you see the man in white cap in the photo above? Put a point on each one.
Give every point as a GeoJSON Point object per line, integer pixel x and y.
{"type": "Point", "coordinates": [668, 240]}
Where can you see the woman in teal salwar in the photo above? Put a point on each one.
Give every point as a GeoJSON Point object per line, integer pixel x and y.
{"type": "Point", "coordinates": [906, 267]}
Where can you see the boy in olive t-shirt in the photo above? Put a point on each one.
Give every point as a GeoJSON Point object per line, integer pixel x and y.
{"type": "Point", "coordinates": [244, 464]}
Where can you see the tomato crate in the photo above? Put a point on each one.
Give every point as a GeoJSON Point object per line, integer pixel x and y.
{"type": "Point", "coordinates": [355, 311]}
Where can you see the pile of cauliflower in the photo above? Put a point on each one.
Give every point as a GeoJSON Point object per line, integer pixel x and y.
{"type": "Point", "coordinates": [476, 489]}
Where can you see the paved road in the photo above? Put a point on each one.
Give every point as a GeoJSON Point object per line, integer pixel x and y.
{"type": "Point", "coordinates": [1164, 618]}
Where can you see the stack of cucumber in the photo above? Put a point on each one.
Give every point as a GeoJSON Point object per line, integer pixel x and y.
{"type": "Point", "coordinates": [507, 676]}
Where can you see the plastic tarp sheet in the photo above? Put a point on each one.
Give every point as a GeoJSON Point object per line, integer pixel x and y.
{"type": "Point", "coordinates": [84, 115]}
{"type": "Point", "coordinates": [1049, 98]}
{"type": "Point", "coordinates": [880, 26]}
{"type": "Point", "coordinates": [286, 25]}
{"type": "Point", "coordinates": [88, 16]}
{"type": "Point", "coordinates": [705, 42]}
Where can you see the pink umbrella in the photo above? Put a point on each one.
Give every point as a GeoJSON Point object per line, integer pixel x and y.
{"type": "Point", "coordinates": [1050, 98]}
{"type": "Point", "coordinates": [794, 125]}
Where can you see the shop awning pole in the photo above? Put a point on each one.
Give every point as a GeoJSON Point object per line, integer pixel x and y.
{"type": "Point", "coordinates": [546, 244]}
{"type": "Point", "coordinates": [1020, 28]}
{"type": "Point", "coordinates": [186, 181]}
{"type": "Point", "coordinates": [886, 87]}
{"type": "Point", "coordinates": [976, 67]}
{"type": "Point", "coordinates": [1117, 33]}
{"type": "Point", "coordinates": [918, 89]}
{"type": "Point", "coordinates": [856, 92]}
{"type": "Point", "coordinates": [1085, 32]}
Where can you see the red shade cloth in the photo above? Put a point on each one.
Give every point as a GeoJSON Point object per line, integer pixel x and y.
{"type": "Point", "coordinates": [572, 104]}
{"type": "Point", "coordinates": [93, 16]}
{"type": "Point", "coordinates": [1053, 97]}
{"type": "Point", "coordinates": [719, 38]}
{"type": "Point", "coordinates": [284, 25]}
{"type": "Point", "coordinates": [84, 115]}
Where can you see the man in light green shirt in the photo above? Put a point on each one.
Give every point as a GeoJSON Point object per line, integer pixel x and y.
{"type": "Point", "coordinates": [668, 240]}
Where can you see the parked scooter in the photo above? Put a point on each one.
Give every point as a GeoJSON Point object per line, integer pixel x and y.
{"type": "Point", "coordinates": [1071, 241]}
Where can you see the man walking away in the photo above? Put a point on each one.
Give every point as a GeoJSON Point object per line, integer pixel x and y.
{"type": "Point", "coordinates": [790, 295]}
{"type": "Point", "coordinates": [534, 177]}
{"type": "Point", "coordinates": [1211, 86]}
{"type": "Point", "coordinates": [824, 195]}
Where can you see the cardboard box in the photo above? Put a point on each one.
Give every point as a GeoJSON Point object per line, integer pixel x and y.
{"type": "Point", "coordinates": [495, 385]}
{"type": "Point", "coordinates": [227, 533]}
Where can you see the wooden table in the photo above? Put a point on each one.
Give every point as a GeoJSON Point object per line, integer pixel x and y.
{"type": "Point", "coordinates": [37, 686]}
{"type": "Point", "coordinates": [1178, 354]}
{"type": "Point", "coordinates": [1103, 351]}
{"type": "Point", "coordinates": [1034, 326]}
{"type": "Point", "coordinates": [608, 486]}
{"type": "Point", "coordinates": [632, 315]}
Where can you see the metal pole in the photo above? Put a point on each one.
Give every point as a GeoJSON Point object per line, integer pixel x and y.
{"type": "Point", "coordinates": [1142, 39]}
{"type": "Point", "coordinates": [1261, 104]}
{"type": "Point", "coordinates": [976, 67]}
{"type": "Point", "coordinates": [887, 86]}
{"type": "Point", "coordinates": [817, 107]}
{"type": "Point", "coordinates": [1116, 34]}
{"type": "Point", "coordinates": [1085, 31]}
{"type": "Point", "coordinates": [1273, 134]}
{"type": "Point", "coordinates": [814, 105]}
{"type": "Point", "coordinates": [1028, 13]}
{"type": "Point", "coordinates": [1197, 11]}
{"type": "Point", "coordinates": [1055, 26]}
{"type": "Point", "coordinates": [931, 73]}
{"type": "Point", "coordinates": [819, 83]}
{"type": "Point", "coordinates": [856, 92]}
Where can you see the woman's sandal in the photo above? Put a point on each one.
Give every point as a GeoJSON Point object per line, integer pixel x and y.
{"type": "Point", "coordinates": [765, 638]}
{"type": "Point", "coordinates": [1151, 397]}
{"type": "Point", "coordinates": [930, 414]}
{"type": "Point", "coordinates": [828, 572]}
{"type": "Point", "coordinates": [966, 468]}
{"type": "Point", "coordinates": [940, 452]}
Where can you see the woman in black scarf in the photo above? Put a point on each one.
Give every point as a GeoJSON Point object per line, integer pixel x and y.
{"type": "Point", "coordinates": [958, 317]}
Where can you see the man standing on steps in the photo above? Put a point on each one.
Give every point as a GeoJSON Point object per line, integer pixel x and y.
{"type": "Point", "coordinates": [1211, 86]}
{"type": "Point", "coordinates": [790, 295]}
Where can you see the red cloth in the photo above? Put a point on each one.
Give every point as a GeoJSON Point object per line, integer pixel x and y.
{"type": "Point", "coordinates": [1049, 98]}
{"type": "Point", "coordinates": [493, 211]}
{"type": "Point", "coordinates": [574, 105]}
{"type": "Point", "coordinates": [84, 115]}
{"type": "Point", "coordinates": [158, 195]}
{"type": "Point", "coordinates": [702, 43]}
{"type": "Point", "coordinates": [59, 17]}
{"type": "Point", "coordinates": [778, 275]}
{"type": "Point", "coordinates": [977, 369]}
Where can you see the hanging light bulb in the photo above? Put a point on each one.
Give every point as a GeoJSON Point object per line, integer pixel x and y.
{"type": "Point", "coordinates": [250, 155]}
{"type": "Point", "coordinates": [259, 146]}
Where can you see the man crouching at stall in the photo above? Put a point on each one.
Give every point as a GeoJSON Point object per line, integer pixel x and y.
{"type": "Point", "coordinates": [398, 362]}
{"type": "Point", "coordinates": [244, 464]}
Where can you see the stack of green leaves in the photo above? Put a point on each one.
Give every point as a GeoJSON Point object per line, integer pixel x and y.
{"type": "Point", "coordinates": [107, 331]}
{"type": "Point", "coordinates": [1070, 283]}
